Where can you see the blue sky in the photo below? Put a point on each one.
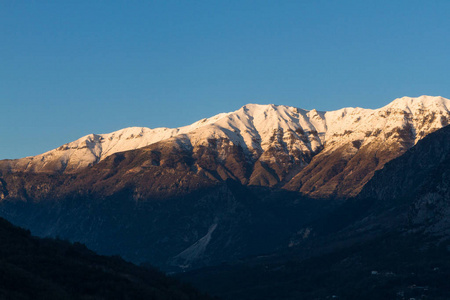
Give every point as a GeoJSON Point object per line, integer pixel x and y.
{"type": "Point", "coordinates": [70, 68]}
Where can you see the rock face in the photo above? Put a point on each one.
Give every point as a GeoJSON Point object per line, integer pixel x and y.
{"type": "Point", "coordinates": [321, 154]}
{"type": "Point", "coordinates": [410, 195]}
{"type": "Point", "coordinates": [419, 179]}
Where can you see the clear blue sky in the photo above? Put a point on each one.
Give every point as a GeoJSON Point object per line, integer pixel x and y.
{"type": "Point", "coordinates": [70, 68]}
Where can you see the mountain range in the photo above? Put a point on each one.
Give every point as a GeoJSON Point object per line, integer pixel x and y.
{"type": "Point", "coordinates": [320, 154]}
{"type": "Point", "coordinates": [258, 180]}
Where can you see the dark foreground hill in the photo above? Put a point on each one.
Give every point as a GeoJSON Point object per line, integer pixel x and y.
{"type": "Point", "coordinates": [34, 268]}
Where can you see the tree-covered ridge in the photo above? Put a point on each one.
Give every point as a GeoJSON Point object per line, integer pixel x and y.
{"type": "Point", "coordinates": [34, 268]}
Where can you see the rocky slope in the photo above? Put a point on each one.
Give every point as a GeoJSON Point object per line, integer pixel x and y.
{"type": "Point", "coordinates": [419, 179]}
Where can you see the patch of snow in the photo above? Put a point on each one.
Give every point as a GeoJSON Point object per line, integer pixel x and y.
{"type": "Point", "coordinates": [196, 250]}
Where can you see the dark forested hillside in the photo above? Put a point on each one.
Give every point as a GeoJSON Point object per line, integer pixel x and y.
{"type": "Point", "coordinates": [34, 268]}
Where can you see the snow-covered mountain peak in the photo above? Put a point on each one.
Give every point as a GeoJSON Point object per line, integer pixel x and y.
{"type": "Point", "coordinates": [258, 128]}
{"type": "Point", "coordinates": [413, 105]}
{"type": "Point", "coordinates": [415, 117]}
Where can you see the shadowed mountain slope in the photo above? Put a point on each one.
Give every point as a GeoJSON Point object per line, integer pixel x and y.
{"type": "Point", "coordinates": [207, 227]}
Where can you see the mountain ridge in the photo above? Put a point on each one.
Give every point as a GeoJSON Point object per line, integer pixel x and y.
{"type": "Point", "coordinates": [322, 154]}
{"type": "Point", "coordinates": [151, 136]}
